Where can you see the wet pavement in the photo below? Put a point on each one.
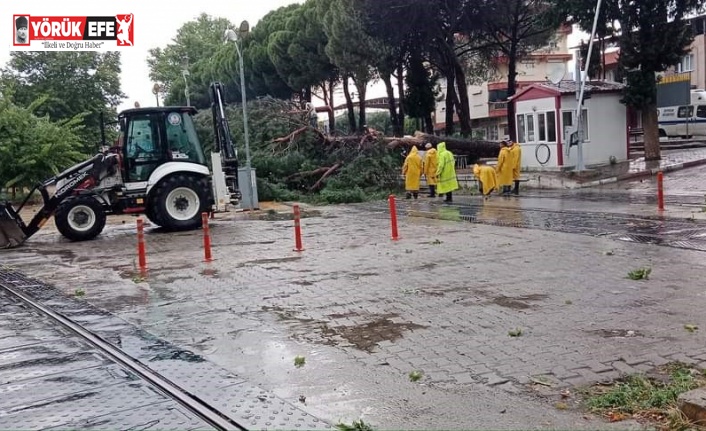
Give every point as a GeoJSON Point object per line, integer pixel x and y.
{"type": "Point", "coordinates": [365, 311]}
{"type": "Point", "coordinates": [51, 377]}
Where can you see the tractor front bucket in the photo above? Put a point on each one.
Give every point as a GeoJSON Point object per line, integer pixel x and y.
{"type": "Point", "coordinates": [11, 232]}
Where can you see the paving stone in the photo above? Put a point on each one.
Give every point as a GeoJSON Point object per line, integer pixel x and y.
{"type": "Point", "coordinates": [493, 379]}
{"type": "Point", "coordinates": [624, 368]}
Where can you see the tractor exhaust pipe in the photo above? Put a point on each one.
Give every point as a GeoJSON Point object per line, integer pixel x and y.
{"type": "Point", "coordinates": [11, 227]}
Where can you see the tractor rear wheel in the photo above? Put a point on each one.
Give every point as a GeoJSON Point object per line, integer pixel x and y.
{"type": "Point", "coordinates": [80, 218]}
{"type": "Point", "coordinates": [177, 202]}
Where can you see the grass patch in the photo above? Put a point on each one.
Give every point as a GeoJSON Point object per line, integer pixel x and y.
{"type": "Point", "coordinates": [650, 397]}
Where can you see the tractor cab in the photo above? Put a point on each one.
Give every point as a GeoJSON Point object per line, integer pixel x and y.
{"type": "Point", "coordinates": [150, 137]}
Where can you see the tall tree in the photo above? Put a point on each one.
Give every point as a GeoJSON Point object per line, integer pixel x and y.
{"type": "Point", "coordinates": [192, 49]}
{"type": "Point", "coordinates": [74, 83]}
{"type": "Point", "coordinates": [351, 49]}
{"type": "Point", "coordinates": [509, 30]}
{"type": "Point", "coordinates": [420, 97]}
{"type": "Point", "coordinates": [659, 37]}
{"type": "Point", "coordinates": [34, 148]}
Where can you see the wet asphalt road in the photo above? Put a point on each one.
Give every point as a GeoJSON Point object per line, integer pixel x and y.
{"type": "Point", "coordinates": [365, 311]}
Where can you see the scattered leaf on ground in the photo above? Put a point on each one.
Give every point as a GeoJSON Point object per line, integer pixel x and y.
{"type": "Point", "coordinates": [414, 376]}
{"type": "Point", "coordinates": [609, 253]}
{"type": "Point", "coordinates": [568, 302]}
{"type": "Point", "coordinates": [299, 361]}
{"type": "Point", "coordinates": [79, 292]}
{"type": "Point", "coordinates": [640, 274]}
{"type": "Point", "coordinates": [436, 242]}
{"type": "Point", "coordinates": [691, 328]}
{"type": "Point", "coordinates": [356, 426]}
{"type": "Point", "coordinates": [517, 332]}
{"type": "Point", "coordinates": [561, 406]}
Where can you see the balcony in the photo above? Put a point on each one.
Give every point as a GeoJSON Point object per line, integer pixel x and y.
{"type": "Point", "coordinates": [497, 109]}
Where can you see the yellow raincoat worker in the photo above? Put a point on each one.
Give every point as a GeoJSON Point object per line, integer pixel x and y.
{"type": "Point", "coordinates": [487, 178]}
{"type": "Point", "coordinates": [504, 169]}
{"type": "Point", "coordinates": [446, 172]}
{"type": "Point", "coordinates": [516, 153]}
{"type": "Point", "coordinates": [429, 165]}
{"type": "Point", "coordinates": [412, 171]}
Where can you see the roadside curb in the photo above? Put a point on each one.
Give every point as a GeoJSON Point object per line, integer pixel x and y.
{"type": "Point", "coordinates": [645, 173]}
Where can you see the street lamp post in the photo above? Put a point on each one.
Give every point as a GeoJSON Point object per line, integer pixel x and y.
{"type": "Point", "coordinates": [231, 35]}
{"type": "Point", "coordinates": [186, 73]}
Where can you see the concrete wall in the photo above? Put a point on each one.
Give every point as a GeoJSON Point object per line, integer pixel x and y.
{"type": "Point", "coordinates": [607, 123]}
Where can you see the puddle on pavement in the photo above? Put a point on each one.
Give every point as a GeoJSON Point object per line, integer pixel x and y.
{"type": "Point", "coordinates": [272, 215]}
{"type": "Point", "coordinates": [266, 261]}
{"type": "Point", "coordinates": [518, 302]}
{"type": "Point", "coordinates": [615, 333]}
{"type": "Point", "coordinates": [364, 336]}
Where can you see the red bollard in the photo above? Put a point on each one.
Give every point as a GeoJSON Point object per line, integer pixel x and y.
{"type": "Point", "coordinates": [660, 190]}
{"type": "Point", "coordinates": [393, 218]}
{"type": "Point", "coordinates": [297, 230]}
{"type": "Point", "coordinates": [206, 238]}
{"type": "Point", "coordinates": [141, 253]}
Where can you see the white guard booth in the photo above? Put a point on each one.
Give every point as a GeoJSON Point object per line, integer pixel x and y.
{"type": "Point", "coordinates": [545, 118]}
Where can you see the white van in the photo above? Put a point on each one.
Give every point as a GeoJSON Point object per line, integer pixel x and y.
{"type": "Point", "coordinates": [684, 121]}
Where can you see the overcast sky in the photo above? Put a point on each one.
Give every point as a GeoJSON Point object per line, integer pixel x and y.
{"type": "Point", "coordinates": [156, 23]}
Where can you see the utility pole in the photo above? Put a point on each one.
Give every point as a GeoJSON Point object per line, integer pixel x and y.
{"type": "Point", "coordinates": [580, 90]}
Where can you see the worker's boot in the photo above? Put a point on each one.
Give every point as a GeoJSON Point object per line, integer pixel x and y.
{"type": "Point", "coordinates": [408, 196]}
{"type": "Point", "coordinates": [432, 191]}
{"type": "Point", "coordinates": [415, 194]}
{"type": "Point", "coordinates": [516, 190]}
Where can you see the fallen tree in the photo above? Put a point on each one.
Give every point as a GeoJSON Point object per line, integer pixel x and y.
{"type": "Point", "coordinates": [473, 149]}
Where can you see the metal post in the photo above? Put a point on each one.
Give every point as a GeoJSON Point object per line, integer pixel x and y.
{"type": "Point", "coordinates": [579, 123]}
{"type": "Point", "coordinates": [185, 73]}
{"type": "Point", "coordinates": [245, 127]}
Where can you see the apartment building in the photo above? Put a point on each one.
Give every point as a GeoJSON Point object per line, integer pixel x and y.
{"type": "Point", "coordinates": [489, 100]}
{"type": "Point", "coordinates": [694, 62]}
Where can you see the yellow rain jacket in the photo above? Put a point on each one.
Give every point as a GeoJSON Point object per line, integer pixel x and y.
{"type": "Point", "coordinates": [431, 162]}
{"type": "Point", "coordinates": [412, 170]}
{"type": "Point", "coordinates": [504, 167]}
{"type": "Point", "coordinates": [516, 153]}
{"type": "Point", "coordinates": [446, 170]}
{"type": "Point", "coordinates": [486, 175]}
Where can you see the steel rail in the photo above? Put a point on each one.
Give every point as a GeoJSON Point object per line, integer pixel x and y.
{"type": "Point", "coordinates": [186, 399]}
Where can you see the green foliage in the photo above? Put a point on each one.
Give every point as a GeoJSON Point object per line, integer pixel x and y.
{"type": "Point", "coordinates": [638, 393]}
{"type": "Point", "coordinates": [34, 148]}
{"type": "Point", "coordinates": [288, 170]}
{"type": "Point", "coordinates": [198, 47]}
{"type": "Point", "coordinates": [71, 84]}
{"type": "Point", "coordinates": [356, 426]}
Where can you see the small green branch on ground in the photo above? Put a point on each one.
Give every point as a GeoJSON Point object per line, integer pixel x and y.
{"type": "Point", "coordinates": [640, 274]}
{"type": "Point", "coordinates": [356, 426]}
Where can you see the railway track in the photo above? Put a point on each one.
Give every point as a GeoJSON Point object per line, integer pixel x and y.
{"type": "Point", "coordinates": [204, 411]}
{"type": "Point", "coordinates": [65, 364]}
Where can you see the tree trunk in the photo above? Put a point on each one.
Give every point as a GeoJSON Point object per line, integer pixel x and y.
{"type": "Point", "coordinates": [511, 89]}
{"type": "Point", "coordinates": [392, 106]}
{"type": "Point", "coordinates": [464, 113]}
{"type": "Point", "coordinates": [450, 98]}
{"type": "Point", "coordinates": [400, 95]}
{"type": "Point", "coordinates": [651, 132]}
{"type": "Point", "coordinates": [362, 87]}
{"type": "Point", "coordinates": [349, 106]}
{"type": "Point", "coordinates": [307, 93]}
{"type": "Point", "coordinates": [331, 115]}
{"type": "Point", "coordinates": [428, 124]}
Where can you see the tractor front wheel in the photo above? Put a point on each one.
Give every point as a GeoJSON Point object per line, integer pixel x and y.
{"type": "Point", "coordinates": [177, 203]}
{"type": "Point", "coordinates": [80, 218]}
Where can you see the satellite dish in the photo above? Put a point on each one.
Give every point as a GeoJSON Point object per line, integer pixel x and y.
{"type": "Point", "coordinates": [556, 72]}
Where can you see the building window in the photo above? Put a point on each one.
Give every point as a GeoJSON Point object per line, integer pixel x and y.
{"type": "Point", "coordinates": [497, 95]}
{"type": "Point", "coordinates": [567, 120]}
{"type": "Point", "coordinates": [492, 133]}
{"type": "Point", "coordinates": [686, 64]}
{"type": "Point", "coordinates": [521, 129]}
